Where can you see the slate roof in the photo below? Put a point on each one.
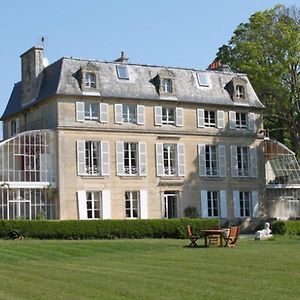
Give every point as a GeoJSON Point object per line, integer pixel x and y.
{"type": "Point", "coordinates": [61, 77]}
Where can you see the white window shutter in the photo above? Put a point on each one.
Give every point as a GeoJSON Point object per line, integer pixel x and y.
{"type": "Point", "coordinates": [144, 204]}
{"type": "Point", "coordinates": [179, 116]}
{"type": "Point", "coordinates": [140, 114]}
{"type": "Point", "coordinates": [181, 159]}
{"type": "Point", "coordinates": [222, 161]}
{"type": "Point", "coordinates": [200, 117]}
{"type": "Point", "coordinates": [17, 125]}
{"type": "Point", "coordinates": [103, 116]}
{"type": "Point", "coordinates": [202, 161]}
{"type": "Point", "coordinates": [106, 204]}
{"type": "Point", "coordinates": [236, 204]}
{"type": "Point", "coordinates": [80, 157]}
{"type": "Point", "coordinates": [220, 119]}
{"type": "Point", "coordinates": [234, 162]}
{"type": "Point", "coordinates": [80, 111]}
{"type": "Point", "coordinates": [232, 120]}
{"type": "Point", "coordinates": [120, 158]}
{"type": "Point", "coordinates": [253, 162]}
{"type": "Point", "coordinates": [142, 159]}
{"type": "Point", "coordinates": [158, 115]}
{"type": "Point", "coordinates": [204, 207]}
{"type": "Point", "coordinates": [159, 160]}
{"type": "Point", "coordinates": [118, 113]}
{"type": "Point", "coordinates": [223, 204]}
{"type": "Point", "coordinates": [251, 121]}
{"type": "Point", "coordinates": [82, 208]}
{"type": "Point", "coordinates": [255, 206]}
{"type": "Point", "coordinates": [104, 158]}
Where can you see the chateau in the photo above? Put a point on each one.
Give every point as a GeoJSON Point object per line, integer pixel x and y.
{"type": "Point", "coordinates": [88, 139]}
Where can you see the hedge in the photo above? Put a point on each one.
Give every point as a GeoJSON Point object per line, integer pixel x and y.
{"type": "Point", "coordinates": [102, 229]}
{"type": "Point", "coordinates": [286, 227]}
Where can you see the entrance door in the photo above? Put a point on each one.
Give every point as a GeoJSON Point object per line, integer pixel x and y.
{"type": "Point", "coordinates": [170, 205]}
{"type": "Point", "coordinates": [18, 208]}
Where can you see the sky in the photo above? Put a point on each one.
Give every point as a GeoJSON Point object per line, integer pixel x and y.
{"type": "Point", "coordinates": [174, 33]}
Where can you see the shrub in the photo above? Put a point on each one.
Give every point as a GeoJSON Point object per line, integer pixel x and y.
{"type": "Point", "coordinates": [191, 212]}
{"type": "Point", "coordinates": [104, 229]}
{"type": "Point", "coordinates": [278, 227]}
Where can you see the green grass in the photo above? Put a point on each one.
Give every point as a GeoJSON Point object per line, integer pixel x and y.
{"type": "Point", "coordinates": [148, 269]}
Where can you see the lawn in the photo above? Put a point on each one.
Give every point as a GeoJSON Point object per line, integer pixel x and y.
{"type": "Point", "coordinates": [148, 269]}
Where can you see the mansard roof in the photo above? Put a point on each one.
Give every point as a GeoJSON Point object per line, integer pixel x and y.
{"type": "Point", "coordinates": [63, 78]}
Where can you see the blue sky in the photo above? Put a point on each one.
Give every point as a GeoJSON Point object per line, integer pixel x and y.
{"type": "Point", "coordinates": [159, 32]}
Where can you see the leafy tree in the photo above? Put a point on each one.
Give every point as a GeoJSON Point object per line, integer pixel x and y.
{"type": "Point", "coordinates": [267, 48]}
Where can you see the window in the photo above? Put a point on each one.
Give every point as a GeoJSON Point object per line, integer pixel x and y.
{"type": "Point", "coordinates": [126, 113]}
{"type": "Point", "coordinates": [91, 111]}
{"type": "Point", "coordinates": [122, 72]}
{"type": "Point", "coordinates": [243, 161]}
{"type": "Point", "coordinates": [241, 120]}
{"type": "Point", "coordinates": [170, 159]}
{"type": "Point", "coordinates": [202, 79]}
{"type": "Point", "coordinates": [211, 160]}
{"type": "Point", "coordinates": [131, 158]}
{"type": "Point", "coordinates": [240, 91]}
{"type": "Point", "coordinates": [245, 201]}
{"type": "Point", "coordinates": [93, 205]}
{"type": "Point", "coordinates": [167, 85]}
{"type": "Point", "coordinates": [13, 127]}
{"type": "Point", "coordinates": [129, 114]}
{"type": "Point", "coordinates": [168, 116]}
{"type": "Point", "coordinates": [90, 80]}
{"type": "Point", "coordinates": [209, 118]}
{"type": "Point", "coordinates": [213, 204]}
{"type": "Point", "coordinates": [92, 158]}
{"type": "Point", "coordinates": [132, 205]}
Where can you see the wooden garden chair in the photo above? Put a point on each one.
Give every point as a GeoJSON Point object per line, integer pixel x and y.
{"type": "Point", "coordinates": [231, 240]}
{"type": "Point", "coordinates": [193, 238]}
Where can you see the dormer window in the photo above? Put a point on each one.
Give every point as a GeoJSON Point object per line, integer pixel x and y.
{"type": "Point", "coordinates": [240, 91]}
{"type": "Point", "coordinates": [202, 79]}
{"type": "Point", "coordinates": [167, 85]}
{"type": "Point", "coordinates": [90, 80]}
{"type": "Point", "coordinates": [122, 72]}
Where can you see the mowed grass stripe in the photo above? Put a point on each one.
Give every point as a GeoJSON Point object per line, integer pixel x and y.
{"type": "Point", "coordinates": [147, 269]}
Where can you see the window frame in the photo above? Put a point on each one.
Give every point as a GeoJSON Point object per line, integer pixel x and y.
{"type": "Point", "coordinates": [213, 204]}
{"type": "Point", "coordinates": [210, 121]}
{"type": "Point", "coordinates": [170, 159]}
{"type": "Point", "coordinates": [93, 209]}
{"type": "Point", "coordinates": [122, 72]}
{"type": "Point", "coordinates": [92, 114]}
{"type": "Point", "coordinates": [127, 116]}
{"type": "Point", "coordinates": [241, 120]}
{"type": "Point", "coordinates": [240, 91]}
{"type": "Point", "coordinates": [90, 80]}
{"type": "Point", "coordinates": [202, 82]}
{"type": "Point", "coordinates": [168, 115]}
{"type": "Point", "coordinates": [243, 161]}
{"type": "Point", "coordinates": [132, 212]}
{"type": "Point", "coordinates": [211, 163]}
{"type": "Point", "coordinates": [131, 160]}
{"type": "Point", "coordinates": [245, 202]}
{"type": "Point", "coordinates": [167, 85]}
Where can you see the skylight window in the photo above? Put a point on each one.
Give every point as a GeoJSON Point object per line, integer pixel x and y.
{"type": "Point", "coordinates": [202, 80]}
{"type": "Point", "coordinates": [122, 72]}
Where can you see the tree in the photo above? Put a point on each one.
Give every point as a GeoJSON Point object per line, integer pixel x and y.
{"type": "Point", "coordinates": [267, 49]}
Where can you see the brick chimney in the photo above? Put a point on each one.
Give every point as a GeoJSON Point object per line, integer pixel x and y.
{"type": "Point", "coordinates": [32, 67]}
